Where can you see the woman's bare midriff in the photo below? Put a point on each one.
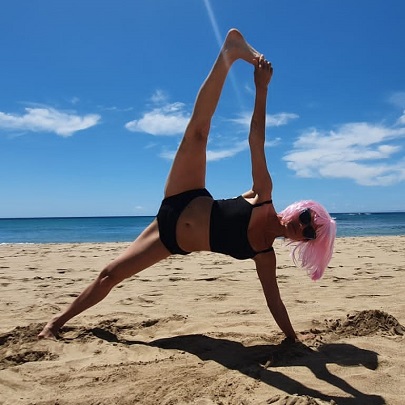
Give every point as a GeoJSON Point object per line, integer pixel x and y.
{"type": "Point", "coordinates": [193, 225]}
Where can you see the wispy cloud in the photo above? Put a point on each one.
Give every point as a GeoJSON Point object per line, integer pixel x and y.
{"type": "Point", "coordinates": [114, 108]}
{"type": "Point", "coordinates": [366, 153]}
{"type": "Point", "coordinates": [213, 155]}
{"type": "Point", "coordinates": [47, 119]}
{"type": "Point", "coordinates": [75, 100]}
{"type": "Point", "coordinates": [272, 120]}
{"type": "Point", "coordinates": [163, 119]}
{"type": "Point", "coordinates": [159, 96]}
{"type": "Point", "coordinates": [217, 154]}
{"type": "Point", "coordinates": [397, 99]}
{"type": "Point", "coordinates": [401, 119]}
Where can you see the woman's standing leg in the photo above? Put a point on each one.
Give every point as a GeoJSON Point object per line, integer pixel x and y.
{"type": "Point", "coordinates": [189, 166]}
{"type": "Point", "coordinates": [144, 252]}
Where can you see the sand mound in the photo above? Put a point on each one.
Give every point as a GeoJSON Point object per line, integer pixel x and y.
{"type": "Point", "coordinates": [20, 335]}
{"type": "Point", "coordinates": [16, 347]}
{"type": "Point", "coordinates": [26, 356]}
{"type": "Point", "coordinates": [364, 323]}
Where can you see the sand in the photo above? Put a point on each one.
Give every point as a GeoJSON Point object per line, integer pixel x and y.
{"type": "Point", "coordinates": [196, 329]}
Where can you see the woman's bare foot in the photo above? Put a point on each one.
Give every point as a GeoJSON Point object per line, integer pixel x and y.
{"type": "Point", "coordinates": [235, 47]}
{"type": "Point", "coordinates": [49, 331]}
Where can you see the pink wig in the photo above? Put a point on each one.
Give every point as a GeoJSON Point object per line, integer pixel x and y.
{"type": "Point", "coordinates": [312, 255]}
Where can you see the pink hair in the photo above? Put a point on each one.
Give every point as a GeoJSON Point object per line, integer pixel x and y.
{"type": "Point", "coordinates": [312, 255]}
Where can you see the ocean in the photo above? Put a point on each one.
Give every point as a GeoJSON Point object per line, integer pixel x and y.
{"type": "Point", "coordinates": [126, 229]}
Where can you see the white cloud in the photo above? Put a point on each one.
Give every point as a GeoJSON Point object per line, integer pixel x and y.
{"type": "Point", "coordinates": [361, 151]}
{"type": "Point", "coordinates": [272, 120]}
{"type": "Point", "coordinates": [170, 119]}
{"type": "Point", "coordinates": [47, 119]}
{"type": "Point", "coordinates": [166, 118]}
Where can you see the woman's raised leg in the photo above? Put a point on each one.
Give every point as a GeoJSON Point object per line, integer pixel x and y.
{"type": "Point", "coordinates": [189, 165]}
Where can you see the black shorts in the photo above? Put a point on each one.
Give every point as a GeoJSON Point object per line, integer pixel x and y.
{"type": "Point", "coordinates": [169, 213]}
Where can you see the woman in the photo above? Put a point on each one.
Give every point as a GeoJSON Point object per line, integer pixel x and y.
{"type": "Point", "coordinates": [191, 220]}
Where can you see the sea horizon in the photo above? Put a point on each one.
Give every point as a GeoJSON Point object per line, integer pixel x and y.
{"type": "Point", "coordinates": [136, 216]}
{"type": "Point", "coordinates": [125, 228]}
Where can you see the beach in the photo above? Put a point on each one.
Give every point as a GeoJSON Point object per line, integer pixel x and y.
{"type": "Point", "coordinates": [196, 329]}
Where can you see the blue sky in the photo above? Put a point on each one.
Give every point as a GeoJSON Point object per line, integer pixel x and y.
{"type": "Point", "coordinates": [95, 96]}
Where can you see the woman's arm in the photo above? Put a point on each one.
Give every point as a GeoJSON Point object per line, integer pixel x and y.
{"type": "Point", "coordinates": [262, 184]}
{"type": "Point", "coordinates": [266, 270]}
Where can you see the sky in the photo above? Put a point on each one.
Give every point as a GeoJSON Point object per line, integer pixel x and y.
{"type": "Point", "coordinates": [95, 96]}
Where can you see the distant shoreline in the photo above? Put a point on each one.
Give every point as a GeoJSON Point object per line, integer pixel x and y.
{"type": "Point", "coordinates": [342, 238]}
{"type": "Point", "coordinates": [152, 216]}
{"type": "Point", "coordinates": [128, 228]}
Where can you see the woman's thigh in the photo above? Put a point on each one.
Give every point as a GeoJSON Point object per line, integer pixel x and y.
{"type": "Point", "coordinates": [189, 165]}
{"type": "Point", "coordinates": [144, 252]}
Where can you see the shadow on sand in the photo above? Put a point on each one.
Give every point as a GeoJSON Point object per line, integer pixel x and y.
{"type": "Point", "coordinates": [261, 362]}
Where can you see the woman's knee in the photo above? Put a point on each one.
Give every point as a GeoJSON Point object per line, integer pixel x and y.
{"type": "Point", "coordinates": [111, 275]}
{"type": "Point", "coordinates": [198, 129]}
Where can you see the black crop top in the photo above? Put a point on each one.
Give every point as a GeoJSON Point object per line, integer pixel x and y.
{"type": "Point", "coordinates": [229, 225]}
